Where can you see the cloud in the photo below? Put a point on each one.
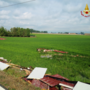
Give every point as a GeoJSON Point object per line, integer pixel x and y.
{"type": "Point", "coordinates": [3, 3]}
{"type": "Point", "coordinates": [4, 12]}
{"type": "Point", "coordinates": [25, 15]}
{"type": "Point", "coordinates": [51, 15]}
{"type": "Point", "coordinates": [4, 17]}
{"type": "Point", "coordinates": [73, 8]}
{"type": "Point", "coordinates": [17, 12]}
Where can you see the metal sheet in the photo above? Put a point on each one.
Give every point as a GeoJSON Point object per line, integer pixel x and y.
{"type": "Point", "coordinates": [3, 66]}
{"type": "Point", "coordinates": [50, 81]}
{"type": "Point", "coordinates": [59, 76]}
{"type": "Point", "coordinates": [37, 73]}
{"type": "Point", "coordinates": [81, 86]}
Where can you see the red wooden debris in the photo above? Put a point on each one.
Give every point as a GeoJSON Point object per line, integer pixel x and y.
{"type": "Point", "coordinates": [2, 38]}
{"type": "Point", "coordinates": [59, 76]}
{"type": "Point", "coordinates": [60, 51]}
{"type": "Point", "coordinates": [37, 83]}
{"type": "Point", "coordinates": [47, 50]}
{"type": "Point", "coordinates": [40, 84]}
{"type": "Point", "coordinates": [50, 81]}
{"type": "Point", "coordinates": [53, 88]}
{"type": "Point", "coordinates": [64, 88]}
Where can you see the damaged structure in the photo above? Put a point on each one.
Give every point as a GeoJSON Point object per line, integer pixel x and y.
{"type": "Point", "coordinates": [48, 50]}
{"type": "Point", "coordinates": [37, 77]}
{"type": "Point", "coordinates": [52, 82]}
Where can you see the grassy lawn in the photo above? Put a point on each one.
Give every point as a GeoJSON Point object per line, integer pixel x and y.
{"type": "Point", "coordinates": [23, 51]}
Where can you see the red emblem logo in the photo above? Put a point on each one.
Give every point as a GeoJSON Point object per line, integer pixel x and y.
{"type": "Point", "coordinates": [86, 12]}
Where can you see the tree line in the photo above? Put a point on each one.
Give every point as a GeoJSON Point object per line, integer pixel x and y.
{"type": "Point", "coordinates": [36, 31]}
{"type": "Point", "coordinates": [18, 32]}
{"type": "Point", "coordinates": [15, 32]}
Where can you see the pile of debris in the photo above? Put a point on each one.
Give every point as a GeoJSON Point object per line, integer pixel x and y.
{"type": "Point", "coordinates": [48, 53]}
{"type": "Point", "coordinates": [37, 77]}
{"type": "Point", "coordinates": [2, 38]}
{"type": "Point", "coordinates": [48, 82]}
{"type": "Point", "coordinates": [4, 64]}
{"type": "Point", "coordinates": [48, 50]}
{"type": "Point", "coordinates": [46, 56]}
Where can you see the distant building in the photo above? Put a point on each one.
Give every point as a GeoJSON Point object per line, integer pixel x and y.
{"type": "Point", "coordinates": [72, 33]}
{"type": "Point", "coordinates": [86, 33]}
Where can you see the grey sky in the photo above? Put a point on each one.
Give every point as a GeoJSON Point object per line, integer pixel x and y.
{"type": "Point", "coordinates": [50, 15]}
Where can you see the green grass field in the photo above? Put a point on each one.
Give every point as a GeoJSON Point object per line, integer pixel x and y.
{"type": "Point", "coordinates": [23, 51]}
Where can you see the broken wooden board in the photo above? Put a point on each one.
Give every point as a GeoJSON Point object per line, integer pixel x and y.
{"type": "Point", "coordinates": [50, 81]}
{"type": "Point", "coordinates": [64, 88]}
{"type": "Point", "coordinates": [37, 73]}
{"type": "Point", "coordinates": [37, 83]}
{"type": "Point", "coordinates": [40, 84]}
{"type": "Point", "coordinates": [59, 76]}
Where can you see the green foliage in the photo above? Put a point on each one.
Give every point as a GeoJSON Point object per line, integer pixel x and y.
{"type": "Point", "coordinates": [20, 32]}
{"type": "Point", "coordinates": [15, 32]}
{"type": "Point", "coordinates": [36, 31]}
{"type": "Point", "coordinates": [3, 31]}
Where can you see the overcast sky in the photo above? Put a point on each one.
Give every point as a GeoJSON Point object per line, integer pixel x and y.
{"type": "Point", "coordinates": [49, 15]}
